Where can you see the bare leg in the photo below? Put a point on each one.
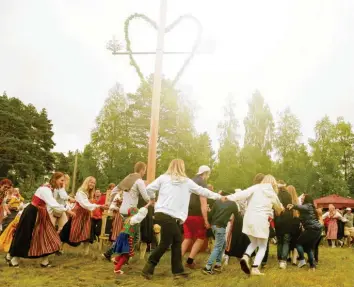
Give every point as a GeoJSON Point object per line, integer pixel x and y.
{"type": "Point", "coordinates": [185, 245]}
{"type": "Point", "coordinates": [198, 244]}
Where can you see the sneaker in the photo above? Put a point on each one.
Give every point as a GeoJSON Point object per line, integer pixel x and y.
{"type": "Point", "coordinates": [302, 263]}
{"type": "Point", "coordinates": [192, 266]}
{"type": "Point", "coordinates": [118, 272]}
{"type": "Point", "coordinates": [207, 271]}
{"type": "Point", "coordinates": [245, 264]}
{"type": "Point", "coordinates": [46, 265]}
{"type": "Point", "coordinates": [282, 265]}
{"type": "Point", "coordinates": [217, 268]}
{"type": "Point", "coordinates": [255, 272]}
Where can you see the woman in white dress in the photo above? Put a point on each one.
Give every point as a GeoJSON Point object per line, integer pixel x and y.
{"type": "Point", "coordinates": [262, 199]}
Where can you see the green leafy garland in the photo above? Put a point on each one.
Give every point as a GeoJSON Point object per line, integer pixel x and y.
{"type": "Point", "coordinates": [167, 29]}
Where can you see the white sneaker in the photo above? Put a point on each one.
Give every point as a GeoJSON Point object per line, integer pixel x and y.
{"type": "Point", "coordinates": [302, 263]}
{"type": "Point", "coordinates": [255, 272]}
{"type": "Point", "coordinates": [245, 264]}
{"type": "Point", "coordinates": [282, 265]}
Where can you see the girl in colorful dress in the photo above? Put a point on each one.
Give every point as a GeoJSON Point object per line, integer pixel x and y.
{"type": "Point", "coordinates": [35, 234]}
{"type": "Point", "coordinates": [78, 229]}
{"type": "Point", "coordinates": [13, 200]}
{"type": "Point", "coordinates": [8, 234]}
{"type": "Point", "coordinates": [5, 188]}
{"type": "Point", "coordinates": [124, 245]}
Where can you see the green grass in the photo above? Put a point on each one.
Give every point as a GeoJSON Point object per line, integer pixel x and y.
{"type": "Point", "coordinates": [336, 269]}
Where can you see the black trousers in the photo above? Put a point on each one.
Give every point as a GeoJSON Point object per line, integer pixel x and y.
{"type": "Point", "coordinates": [171, 235]}
{"type": "Point", "coordinates": [96, 225]}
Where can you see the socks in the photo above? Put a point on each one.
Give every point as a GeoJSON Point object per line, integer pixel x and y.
{"type": "Point", "coordinates": [190, 260]}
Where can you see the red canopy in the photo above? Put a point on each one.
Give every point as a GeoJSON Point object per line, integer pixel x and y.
{"type": "Point", "coordinates": [336, 200]}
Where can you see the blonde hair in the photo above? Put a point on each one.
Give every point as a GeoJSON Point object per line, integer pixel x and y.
{"type": "Point", "coordinates": [332, 209]}
{"type": "Point", "coordinates": [270, 179]}
{"type": "Point", "coordinates": [177, 170]}
{"type": "Point", "coordinates": [85, 187]}
{"type": "Point", "coordinates": [67, 181]}
{"type": "Point", "coordinates": [294, 199]}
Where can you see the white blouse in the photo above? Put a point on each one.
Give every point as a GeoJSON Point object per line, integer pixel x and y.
{"type": "Point", "coordinates": [82, 199]}
{"type": "Point", "coordinates": [45, 193]}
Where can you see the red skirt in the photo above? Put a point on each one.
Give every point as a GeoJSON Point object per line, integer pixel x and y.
{"type": "Point", "coordinates": [117, 226]}
{"type": "Point", "coordinates": [80, 230]}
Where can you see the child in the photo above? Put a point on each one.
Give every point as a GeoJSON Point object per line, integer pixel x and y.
{"type": "Point", "coordinates": [15, 200]}
{"type": "Point", "coordinates": [124, 245]}
{"type": "Point", "coordinates": [7, 236]}
{"type": "Point", "coordinates": [219, 218]}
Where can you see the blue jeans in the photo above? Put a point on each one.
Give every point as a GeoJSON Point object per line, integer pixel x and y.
{"type": "Point", "coordinates": [219, 247]}
{"type": "Point", "coordinates": [283, 246]}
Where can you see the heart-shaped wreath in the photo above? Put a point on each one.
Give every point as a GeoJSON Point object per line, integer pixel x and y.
{"type": "Point", "coordinates": [167, 29]}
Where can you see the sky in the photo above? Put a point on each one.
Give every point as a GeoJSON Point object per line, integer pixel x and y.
{"type": "Point", "coordinates": [298, 54]}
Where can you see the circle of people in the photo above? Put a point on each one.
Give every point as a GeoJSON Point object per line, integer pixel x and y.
{"type": "Point", "coordinates": [178, 214]}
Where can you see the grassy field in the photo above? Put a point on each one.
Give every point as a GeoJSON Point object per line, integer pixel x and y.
{"type": "Point", "coordinates": [336, 269]}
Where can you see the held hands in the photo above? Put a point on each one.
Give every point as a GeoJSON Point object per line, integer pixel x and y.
{"type": "Point", "coordinates": [71, 200]}
{"type": "Point", "coordinates": [207, 225]}
{"type": "Point", "coordinates": [104, 207]}
{"type": "Point", "coordinates": [290, 206]}
{"type": "Point", "coordinates": [73, 214]}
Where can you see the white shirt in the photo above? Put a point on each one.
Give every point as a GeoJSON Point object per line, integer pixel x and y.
{"type": "Point", "coordinates": [131, 197]}
{"type": "Point", "coordinates": [261, 199]}
{"type": "Point", "coordinates": [82, 199]}
{"type": "Point", "coordinates": [45, 193]}
{"type": "Point", "coordinates": [174, 195]}
{"type": "Point", "coordinates": [137, 218]}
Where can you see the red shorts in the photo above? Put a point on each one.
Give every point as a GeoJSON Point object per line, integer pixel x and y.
{"type": "Point", "coordinates": [194, 228]}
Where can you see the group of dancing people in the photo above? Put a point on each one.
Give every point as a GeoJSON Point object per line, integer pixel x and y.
{"type": "Point", "coordinates": [241, 222]}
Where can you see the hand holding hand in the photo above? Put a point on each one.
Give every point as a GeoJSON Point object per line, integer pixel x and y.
{"type": "Point", "coordinates": [72, 200]}
{"type": "Point", "coordinates": [207, 225]}
{"type": "Point", "coordinates": [73, 214]}
{"type": "Point", "coordinates": [223, 198]}
{"type": "Point", "coordinates": [290, 206]}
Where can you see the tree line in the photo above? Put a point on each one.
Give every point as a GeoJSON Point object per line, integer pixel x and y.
{"type": "Point", "coordinates": [321, 166]}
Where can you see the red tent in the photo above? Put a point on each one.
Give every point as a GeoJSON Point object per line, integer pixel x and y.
{"type": "Point", "coordinates": [336, 200]}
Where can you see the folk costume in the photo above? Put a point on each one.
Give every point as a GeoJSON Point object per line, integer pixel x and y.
{"type": "Point", "coordinates": [8, 234]}
{"type": "Point", "coordinates": [124, 245]}
{"type": "Point", "coordinates": [78, 228]}
{"type": "Point", "coordinates": [117, 223]}
{"type": "Point", "coordinates": [35, 234]}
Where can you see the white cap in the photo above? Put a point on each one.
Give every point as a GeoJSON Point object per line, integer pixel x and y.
{"type": "Point", "coordinates": [202, 169]}
{"type": "Point", "coordinates": [348, 209]}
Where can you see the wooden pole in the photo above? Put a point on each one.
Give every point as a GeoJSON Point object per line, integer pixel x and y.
{"type": "Point", "coordinates": [156, 92]}
{"type": "Point", "coordinates": [74, 174]}
{"type": "Point", "coordinates": [103, 237]}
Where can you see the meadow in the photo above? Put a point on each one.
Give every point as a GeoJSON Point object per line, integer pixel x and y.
{"type": "Point", "coordinates": [335, 269]}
